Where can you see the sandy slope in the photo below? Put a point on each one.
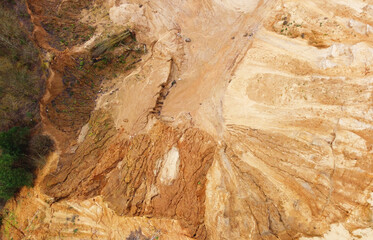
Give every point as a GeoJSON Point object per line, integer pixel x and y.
{"type": "Point", "coordinates": [245, 120]}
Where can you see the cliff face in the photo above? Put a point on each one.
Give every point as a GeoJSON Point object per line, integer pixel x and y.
{"type": "Point", "coordinates": [241, 120]}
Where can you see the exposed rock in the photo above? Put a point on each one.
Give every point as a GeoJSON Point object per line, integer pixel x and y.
{"type": "Point", "coordinates": [266, 137]}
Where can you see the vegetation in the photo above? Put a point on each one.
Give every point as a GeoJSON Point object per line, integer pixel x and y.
{"type": "Point", "coordinates": [12, 178]}
{"type": "Point", "coordinates": [18, 159]}
{"type": "Point", "coordinates": [63, 23]}
{"type": "Point", "coordinates": [14, 141]}
{"type": "Point", "coordinates": [20, 90]}
{"type": "Point", "coordinates": [13, 174]}
{"type": "Point", "coordinates": [20, 75]}
{"type": "Point", "coordinates": [110, 43]}
{"type": "Point", "coordinates": [39, 147]}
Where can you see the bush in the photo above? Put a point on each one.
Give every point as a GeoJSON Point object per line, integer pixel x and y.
{"type": "Point", "coordinates": [41, 145]}
{"type": "Point", "coordinates": [13, 173]}
{"type": "Point", "coordinates": [11, 178]}
{"type": "Point", "coordinates": [19, 158]}
{"type": "Point", "coordinates": [14, 141]}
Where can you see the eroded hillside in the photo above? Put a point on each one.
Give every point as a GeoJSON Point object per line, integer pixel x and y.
{"type": "Point", "coordinates": [208, 119]}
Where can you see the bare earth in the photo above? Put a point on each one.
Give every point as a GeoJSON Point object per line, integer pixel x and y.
{"type": "Point", "coordinates": [244, 119]}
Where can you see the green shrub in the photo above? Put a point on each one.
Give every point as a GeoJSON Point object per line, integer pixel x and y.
{"type": "Point", "coordinates": [12, 178]}
{"type": "Point", "coordinates": [14, 141]}
{"type": "Point", "coordinates": [14, 173]}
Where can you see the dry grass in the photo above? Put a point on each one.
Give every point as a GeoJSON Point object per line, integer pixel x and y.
{"type": "Point", "coordinates": [110, 43]}
{"type": "Point", "coordinates": [20, 81]}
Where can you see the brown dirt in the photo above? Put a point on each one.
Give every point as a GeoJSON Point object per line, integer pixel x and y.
{"type": "Point", "coordinates": [94, 169]}
{"type": "Point", "coordinates": [82, 82]}
{"type": "Point", "coordinates": [60, 19]}
{"type": "Point", "coordinates": [72, 87]}
{"type": "Point", "coordinates": [247, 144]}
{"type": "Point", "coordinates": [75, 80]}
